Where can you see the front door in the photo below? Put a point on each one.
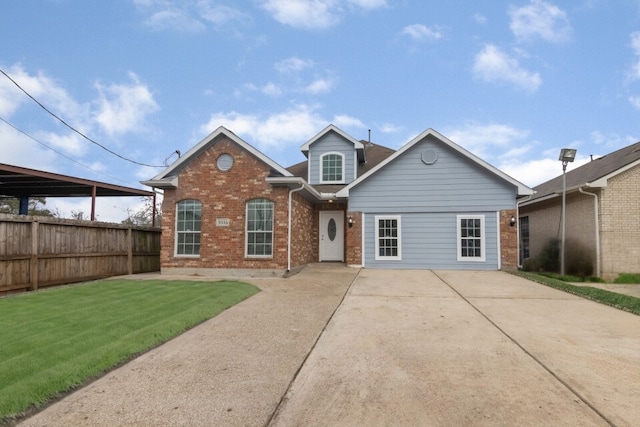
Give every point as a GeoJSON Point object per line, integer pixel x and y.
{"type": "Point", "coordinates": [331, 236]}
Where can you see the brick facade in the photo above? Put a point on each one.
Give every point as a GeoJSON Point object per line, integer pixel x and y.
{"type": "Point", "coordinates": [618, 217]}
{"type": "Point", "coordinates": [508, 241]}
{"type": "Point", "coordinates": [224, 195]}
{"type": "Point", "coordinates": [620, 224]}
{"type": "Point", "coordinates": [353, 254]}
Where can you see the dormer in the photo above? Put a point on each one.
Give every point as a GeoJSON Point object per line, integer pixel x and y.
{"type": "Point", "coordinates": [333, 157]}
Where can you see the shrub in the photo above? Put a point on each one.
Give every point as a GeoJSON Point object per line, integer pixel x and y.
{"type": "Point", "coordinates": [628, 278]}
{"type": "Point", "coordinates": [578, 259]}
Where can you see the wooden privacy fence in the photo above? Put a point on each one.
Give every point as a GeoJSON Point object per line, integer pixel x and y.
{"type": "Point", "coordinates": [37, 252]}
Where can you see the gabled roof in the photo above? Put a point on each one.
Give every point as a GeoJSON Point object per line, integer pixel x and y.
{"type": "Point", "coordinates": [373, 153]}
{"type": "Point", "coordinates": [523, 190]}
{"type": "Point", "coordinates": [357, 145]}
{"type": "Point", "coordinates": [169, 177]}
{"type": "Point", "coordinates": [593, 174]}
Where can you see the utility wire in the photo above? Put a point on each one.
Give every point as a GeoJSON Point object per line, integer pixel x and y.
{"type": "Point", "coordinates": [72, 128]}
{"type": "Point", "coordinates": [59, 153]}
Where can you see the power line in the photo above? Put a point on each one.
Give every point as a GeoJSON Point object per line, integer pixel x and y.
{"type": "Point", "coordinates": [72, 128]}
{"type": "Point", "coordinates": [59, 153]}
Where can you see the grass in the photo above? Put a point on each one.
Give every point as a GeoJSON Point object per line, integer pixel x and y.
{"type": "Point", "coordinates": [627, 278]}
{"type": "Point", "coordinates": [620, 301]}
{"type": "Point", "coordinates": [56, 340]}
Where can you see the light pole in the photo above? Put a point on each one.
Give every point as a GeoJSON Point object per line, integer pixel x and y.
{"type": "Point", "coordinates": [566, 155]}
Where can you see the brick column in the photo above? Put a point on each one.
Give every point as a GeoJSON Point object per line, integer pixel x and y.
{"type": "Point", "coordinates": [354, 240]}
{"type": "Point", "coordinates": [508, 240]}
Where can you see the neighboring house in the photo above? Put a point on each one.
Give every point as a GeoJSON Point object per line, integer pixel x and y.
{"type": "Point", "coordinates": [602, 217]}
{"type": "Point", "coordinates": [431, 204]}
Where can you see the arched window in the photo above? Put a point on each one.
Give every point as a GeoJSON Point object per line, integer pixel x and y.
{"type": "Point", "coordinates": [332, 168]}
{"type": "Point", "coordinates": [188, 222]}
{"type": "Point", "coordinates": [259, 229]}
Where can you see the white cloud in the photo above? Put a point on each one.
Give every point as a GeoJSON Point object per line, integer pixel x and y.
{"type": "Point", "coordinates": [293, 64]}
{"type": "Point", "coordinates": [189, 16]}
{"type": "Point", "coordinates": [42, 87]}
{"type": "Point", "coordinates": [277, 131]}
{"type": "Point", "coordinates": [389, 128]}
{"type": "Point", "coordinates": [307, 14]}
{"type": "Point", "coordinates": [480, 19]}
{"type": "Point", "coordinates": [493, 65]}
{"type": "Point", "coordinates": [540, 19]}
{"type": "Point", "coordinates": [347, 122]}
{"type": "Point", "coordinates": [315, 14]}
{"type": "Point", "coordinates": [221, 15]}
{"type": "Point", "coordinates": [419, 32]}
{"type": "Point", "coordinates": [272, 89]}
{"type": "Point", "coordinates": [635, 45]}
{"type": "Point", "coordinates": [123, 108]}
{"type": "Point", "coordinates": [481, 138]}
{"type": "Point", "coordinates": [174, 19]}
{"type": "Point", "coordinates": [319, 86]}
{"type": "Point", "coordinates": [368, 4]}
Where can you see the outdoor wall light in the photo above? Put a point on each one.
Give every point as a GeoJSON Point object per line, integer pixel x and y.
{"type": "Point", "coordinates": [350, 221]}
{"type": "Point", "coordinates": [512, 221]}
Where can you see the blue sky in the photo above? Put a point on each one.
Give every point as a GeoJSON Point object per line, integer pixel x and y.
{"type": "Point", "coordinates": [511, 81]}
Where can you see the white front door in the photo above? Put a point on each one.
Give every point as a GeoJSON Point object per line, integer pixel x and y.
{"type": "Point", "coordinates": [331, 236]}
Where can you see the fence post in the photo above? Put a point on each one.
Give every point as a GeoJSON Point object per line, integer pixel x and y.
{"type": "Point", "coordinates": [130, 251]}
{"type": "Point", "coordinates": [33, 265]}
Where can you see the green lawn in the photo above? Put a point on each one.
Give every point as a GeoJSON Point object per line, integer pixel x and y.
{"type": "Point", "coordinates": [55, 340]}
{"type": "Point", "coordinates": [623, 302]}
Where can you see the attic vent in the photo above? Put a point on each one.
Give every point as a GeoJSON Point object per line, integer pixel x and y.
{"type": "Point", "coordinates": [429, 157]}
{"type": "Point", "coordinates": [224, 163]}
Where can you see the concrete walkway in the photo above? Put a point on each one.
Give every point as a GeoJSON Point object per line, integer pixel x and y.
{"type": "Point", "coordinates": [403, 348]}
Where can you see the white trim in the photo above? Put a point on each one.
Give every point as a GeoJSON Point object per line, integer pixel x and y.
{"type": "Point", "coordinates": [175, 232]}
{"type": "Point", "coordinates": [363, 246]}
{"type": "Point", "coordinates": [246, 231]}
{"type": "Point", "coordinates": [523, 190]}
{"type": "Point", "coordinates": [483, 238]}
{"type": "Point", "coordinates": [603, 181]}
{"type": "Point", "coordinates": [163, 180]}
{"type": "Point", "coordinates": [498, 239]}
{"type": "Point", "coordinates": [356, 144]}
{"type": "Point", "coordinates": [321, 166]}
{"type": "Point", "coordinates": [398, 238]}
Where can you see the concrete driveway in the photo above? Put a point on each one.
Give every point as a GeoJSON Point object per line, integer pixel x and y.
{"type": "Point", "coordinates": [402, 348]}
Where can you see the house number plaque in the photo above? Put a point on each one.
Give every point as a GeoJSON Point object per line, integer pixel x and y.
{"type": "Point", "coordinates": [223, 222]}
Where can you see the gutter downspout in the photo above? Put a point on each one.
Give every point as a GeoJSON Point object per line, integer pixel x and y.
{"type": "Point", "coordinates": [518, 227]}
{"type": "Point", "coordinates": [595, 208]}
{"type": "Point", "coordinates": [295, 190]}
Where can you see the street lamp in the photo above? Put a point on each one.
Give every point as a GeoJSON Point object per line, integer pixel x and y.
{"type": "Point", "coordinates": [566, 155]}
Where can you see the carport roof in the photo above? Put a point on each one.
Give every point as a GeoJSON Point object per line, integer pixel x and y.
{"type": "Point", "coordinates": [19, 182]}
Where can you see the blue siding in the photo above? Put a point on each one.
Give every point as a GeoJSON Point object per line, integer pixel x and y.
{"type": "Point", "coordinates": [331, 142]}
{"type": "Point", "coordinates": [429, 241]}
{"type": "Point", "coordinates": [452, 184]}
{"type": "Point", "coordinates": [428, 197]}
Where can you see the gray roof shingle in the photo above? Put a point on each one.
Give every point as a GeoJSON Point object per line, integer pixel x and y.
{"type": "Point", "coordinates": [591, 171]}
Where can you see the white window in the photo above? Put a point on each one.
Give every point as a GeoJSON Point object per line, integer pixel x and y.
{"type": "Point", "coordinates": [388, 238]}
{"type": "Point", "coordinates": [259, 231]}
{"type": "Point", "coordinates": [332, 168]}
{"type": "Point", "coordinates": [188, 222]}
{"type": "Point", "coordinates": [471, 240]}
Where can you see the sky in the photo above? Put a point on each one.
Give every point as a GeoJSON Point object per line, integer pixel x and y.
{"type": "Point", "coordinates": [512, 82]}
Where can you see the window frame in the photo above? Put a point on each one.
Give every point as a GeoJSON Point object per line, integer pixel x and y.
{"type": "Point", "coordinates": [179, 233]}
{"type": "Point", "coordinates": [483, 238]}
{"type": "Point", "coordinates": [398, 238]}
{"type": "Point", "coordinates": [525, 239]}
{"type": "Point", "coordinates": [343, 168]}
{"type": "Point", "coordinates": [248, 232]}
